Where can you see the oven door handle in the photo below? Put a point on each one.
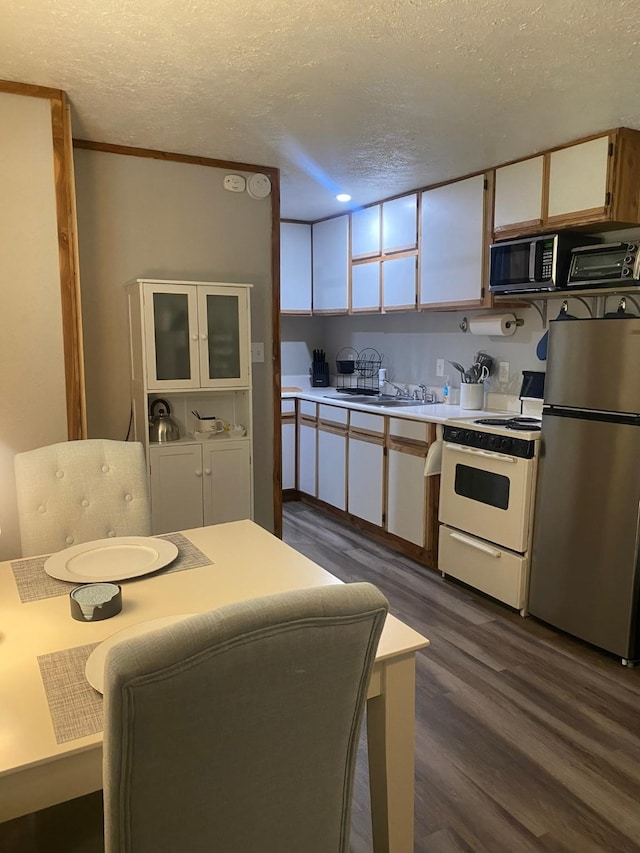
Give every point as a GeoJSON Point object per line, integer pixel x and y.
{"type": "Point", "coordinates": [473, 543]}
{"type": "Point", "coordinates": [502, 457]}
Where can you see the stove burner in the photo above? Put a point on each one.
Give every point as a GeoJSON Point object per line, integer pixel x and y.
{"type": "Point", "coordinates": [516, 423]}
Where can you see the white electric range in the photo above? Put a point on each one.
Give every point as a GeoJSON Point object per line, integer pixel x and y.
{"type": "Point", "coordinates": [487, 491]}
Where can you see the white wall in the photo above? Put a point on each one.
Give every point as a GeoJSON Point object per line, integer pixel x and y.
{"type": "Point", "coordinates": [145, 218]}
{"type": "Point", "coordinates": [32, 379]}
{"type": "Point", "coordinates": [410, 343]}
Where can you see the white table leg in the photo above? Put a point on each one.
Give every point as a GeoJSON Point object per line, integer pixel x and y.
{"type": "Point", "coordinates": [391, 747]}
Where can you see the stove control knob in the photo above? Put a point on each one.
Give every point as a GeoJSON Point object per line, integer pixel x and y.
{"type": "Point", "coordinates": [507, 444]}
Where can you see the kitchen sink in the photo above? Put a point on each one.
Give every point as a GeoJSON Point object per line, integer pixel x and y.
{"type": "Point", "coordinates": [379, 400]}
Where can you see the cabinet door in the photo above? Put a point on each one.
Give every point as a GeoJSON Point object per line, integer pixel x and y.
{"type": "Point", "coordinates": [307, 442]}
{"type": "Point", "coordinates": [399, 281]}
{"type": "Point", "coordinates": [365, 286]}
{"type": "Point", "coordinates": [452, 251]}
{"type": "Point", "coordinates": [365, 232]}
{"type": "Point", "coordinates": [176, 487]}
{"type": "Point", "coordinates": [295, 268]}
{"type": "Point", "coordinates": [331, 265]}
{"type": "Point", "coordinates": [406, 496]}
{"type": "Point", "coordinates": [227, 484]}
{"type": "Point", "coordinates": [289, 456]}
{"type": "Point", "coordinates": [332, 458]}
{"type": "Point", "coordinates": [223, 325]}
{"type": "Point", "coordinates": [400, 224]}
{"type": "Point", "coordinates": [366, 467]}
{"type": "Point", "coordinates": [171, 336]}
{"type": "Point", "coordinates": [518, 196]}
{"type": "Point", "coordinates": [578, 178]}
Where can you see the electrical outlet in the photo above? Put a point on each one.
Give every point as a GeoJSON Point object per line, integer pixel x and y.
{"type": "Point", "coordinates": [440, 367]}
{"type": "Point", "coordinates": [257, 352]}
{"type": "Point", "coordinates": [503, 373]}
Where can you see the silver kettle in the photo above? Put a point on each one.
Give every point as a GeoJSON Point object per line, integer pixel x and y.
{"type": "Point", "coordinates": [162, 426]}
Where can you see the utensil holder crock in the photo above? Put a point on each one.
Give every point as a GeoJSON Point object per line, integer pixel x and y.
{"type": "Point", "coordinates": [471, 395]}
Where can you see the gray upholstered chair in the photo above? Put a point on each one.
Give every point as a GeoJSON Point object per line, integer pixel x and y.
{"type": "Point", "coordinates": [77, 491]}
{"type": "Point", "coordinates": [236, 731]}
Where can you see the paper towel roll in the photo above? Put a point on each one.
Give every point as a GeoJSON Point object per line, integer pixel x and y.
{"type": "Point", "coordinates": [499, 325]}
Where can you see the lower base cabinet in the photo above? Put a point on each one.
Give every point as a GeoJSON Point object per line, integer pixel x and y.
{"type": "Point", "coordinates": [289, 455]}
{"type": "Point", "coordinates": [199, 483]}
{"type": "Point", "coordinates": [307, 448]}
{"type": "Point", "coordinates": [366, 480]}
{"type": "Point", "coordinates": [332, 456]}
{"type": "Point", "coordinates": [406, 495]}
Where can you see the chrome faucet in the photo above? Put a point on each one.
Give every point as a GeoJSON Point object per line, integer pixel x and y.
{"type": "Point", "coordinates": [400, 391]}
{"type": "Point", "coordinates": [422, 394]}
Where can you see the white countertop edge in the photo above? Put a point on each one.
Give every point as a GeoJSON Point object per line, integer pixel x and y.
{"type": "Point", "coordinates": [434, 413]}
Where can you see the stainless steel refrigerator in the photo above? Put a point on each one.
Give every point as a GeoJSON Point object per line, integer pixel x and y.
{"type": "Point", "coordinates": [585, 563]}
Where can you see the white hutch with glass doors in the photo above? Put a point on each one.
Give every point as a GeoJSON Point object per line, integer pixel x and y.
{"type": "Point", "coordinates": [190, 347]}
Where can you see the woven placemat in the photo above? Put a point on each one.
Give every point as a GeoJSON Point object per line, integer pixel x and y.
{"type": "Point", "coordinates": [75, 707]}
{"type": "Point", "coordinates": [34, 583]}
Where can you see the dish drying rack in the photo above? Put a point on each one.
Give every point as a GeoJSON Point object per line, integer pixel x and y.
{"type": "Point", "coordinates": [358, 372]}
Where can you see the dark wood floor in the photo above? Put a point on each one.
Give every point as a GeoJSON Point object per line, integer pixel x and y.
{"type": "Point", "coordinates": [526, 739]}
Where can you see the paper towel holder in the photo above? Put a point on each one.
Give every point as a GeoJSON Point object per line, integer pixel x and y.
{"type": "Point", "coordinates": [517, 321]}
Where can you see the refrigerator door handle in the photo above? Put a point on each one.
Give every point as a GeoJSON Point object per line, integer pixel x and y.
{"type": "Point", "coordinates": [479, 546]}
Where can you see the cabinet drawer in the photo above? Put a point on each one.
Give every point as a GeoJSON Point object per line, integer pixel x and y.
{"type": "Point", "coordinates": [415, 430]}
{"type": "Point", "coordinates": [495, 571]}
{"type": "Point", "coordinates": [334, 414]}
{"type": "Point", "coordinates": [288, 406]}
{"type": "Point", "coordinates": [306, 407]}
{"type": "Point", "coordinates": [361, 421]}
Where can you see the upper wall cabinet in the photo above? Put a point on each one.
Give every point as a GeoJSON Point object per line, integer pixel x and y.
{"type": "Point", "coordinates": [365, 232]}
{"type": "Point", "coordinates": [400, 224]}
{"type": "Point", "coordinates": [589, 183]}
{"type": "Point", "coordinates": [196, 335]}
{"type": "Point", "coordinates": [453, 243]}
{"type": "Point", "coordinates": [295, 268]}
{"type": "Point", "coordinates": [330, 240]}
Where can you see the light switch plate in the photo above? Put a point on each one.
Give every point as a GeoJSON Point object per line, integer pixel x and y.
{"type": "Point", "coordinates": [257, 352]}
{"type": "Point", "coordinates": [440, 367]}
{"type": "Point", "coordinates": [503, 373]}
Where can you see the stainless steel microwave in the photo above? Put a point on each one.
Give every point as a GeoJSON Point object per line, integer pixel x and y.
{"type": "Point", "coordinates": [608, 263]}
{"type": "Point", "coordinates": [532, 264]}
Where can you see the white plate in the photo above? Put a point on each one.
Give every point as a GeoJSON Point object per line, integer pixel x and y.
{"type": "Point", "coordinates": [114, 559]}
{"type": "Point", "coordinates": [94, 667]}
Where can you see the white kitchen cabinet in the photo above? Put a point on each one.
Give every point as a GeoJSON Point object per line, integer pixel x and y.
{"type": "Point", "coordinates": [578, 177]}
{"type": "Point", "coordinates": [295, 268]}
{"type": "Point", "coordinates": [366, 467]}
{"type": "Point", "coordinates": [288, 455]}
{"type": "Point", "coordinates": [365, 232]}
{"type": "Point", "coordinates": [332, 472]}
{"type": "Point", "coordinates": [307, 447]}
{"type": "Point", "coordinates": [453, 243]}
{"type": "Point", "coordinates": [330, 241]}
{"type": "Point", "coordinates": [406, 494]}
{"type": "Point", "coordinates": [399, 282]}
{"type": "Point", "coordinates": [195, 334]}
{"type": "Point", "coordinates": [518, 196]}
{"type": "Point", "coordinates": [400, 224]}
{"type": "Point", "coordinates": [190, 344]}
{"type": "Point", "coordinates": [365, 287]}
{"type": "Point", "coordinates": [199, 483]}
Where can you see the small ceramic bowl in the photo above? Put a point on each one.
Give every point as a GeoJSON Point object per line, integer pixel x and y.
{"type": "Point", "coordinates": [236, 430]}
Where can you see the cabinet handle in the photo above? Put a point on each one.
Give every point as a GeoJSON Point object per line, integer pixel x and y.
{"type": "Point", "coordinates": [207, 471]}
{"type": "Point", "coordinates": [198, 472]}
{"type": "Point", "coordinates": [204, 337]}
{"type": "Point", "coordinates": [194, 337]}
{"type": "Point", "coordinates": [500, 457]}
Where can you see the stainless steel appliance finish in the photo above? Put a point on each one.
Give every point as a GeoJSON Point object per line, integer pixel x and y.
{"type": "Point", "coordinates": [585, 576]}
{"type": "Point", "coordinates": [607, 264]}
{"type": "Point", "coordinates": [531, 264]}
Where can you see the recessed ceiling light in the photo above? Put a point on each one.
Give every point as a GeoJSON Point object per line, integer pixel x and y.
{"type": "Point", "coordinates": [343, 197]}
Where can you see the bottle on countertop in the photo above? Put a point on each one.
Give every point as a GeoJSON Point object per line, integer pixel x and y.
{"type": "Point", "coordinates": [446, 391]}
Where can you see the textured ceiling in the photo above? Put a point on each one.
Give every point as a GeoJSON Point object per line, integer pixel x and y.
{"type": "Point", "coordinates": [373, 98]}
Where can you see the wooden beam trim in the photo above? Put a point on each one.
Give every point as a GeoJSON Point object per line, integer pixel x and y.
{"type": "Point", "coordinates": [13, 88]}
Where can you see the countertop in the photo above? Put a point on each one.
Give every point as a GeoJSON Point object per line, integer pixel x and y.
{"type": "Point", "coordinates": [433, 412]}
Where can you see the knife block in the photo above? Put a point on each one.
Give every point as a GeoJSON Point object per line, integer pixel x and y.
{"type": "Point", "coordinates": [320, 374]}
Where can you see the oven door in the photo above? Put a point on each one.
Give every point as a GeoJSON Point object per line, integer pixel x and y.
{"type": "Point", "coordinates": [487, 494]}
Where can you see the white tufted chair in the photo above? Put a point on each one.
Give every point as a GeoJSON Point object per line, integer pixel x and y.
{"type": "Point", "coordinates": [77, 491]}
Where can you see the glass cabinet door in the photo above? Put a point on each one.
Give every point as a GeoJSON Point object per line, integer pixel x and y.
{"type": "Point", "coordinates": [172, 337]}
{"type": "Point", "coordinates": [224, 341]}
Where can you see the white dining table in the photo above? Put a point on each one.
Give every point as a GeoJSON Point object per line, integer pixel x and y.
{"type": "Point", "coordinates": [243, 561]}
